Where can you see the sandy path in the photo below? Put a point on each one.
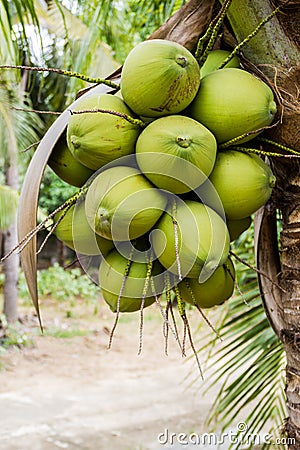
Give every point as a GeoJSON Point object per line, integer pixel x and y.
{"type": "Point", "coordinates": [76, 394]}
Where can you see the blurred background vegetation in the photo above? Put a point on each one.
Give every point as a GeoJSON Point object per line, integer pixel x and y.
{"type": "Point", "coordinates": [94, 38]}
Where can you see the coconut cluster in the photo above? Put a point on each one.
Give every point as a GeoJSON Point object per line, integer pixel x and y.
{"type": "Point", "coordinates": [163, 200]}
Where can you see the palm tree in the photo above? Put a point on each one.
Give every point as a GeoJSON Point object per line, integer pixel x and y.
{"type": "Point", "coordinates": [273, 55]}
{"type": "Point", "coordinates": [276, 53]}
{"type": "Point", "coordinates": [9, 199]}
{"type": "Point", "coordinates": [17, 132]}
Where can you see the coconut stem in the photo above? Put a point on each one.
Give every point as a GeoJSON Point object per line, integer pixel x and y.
{"type": "Point", "coordinates": [125, 275]}
{"type": "Point", "coordinates": [67, 73]}
{"type": "Point", "coordinates": [53, 228]}
{"type": "Point", "coordinates": [36, 111]}
{"type": "Point", "coordinates": [145, 288]}
{"type": "Point", "coordinates": [276, 144]}
{"type": "Point", "coordinates": [238, 139]}
{"type": "Point", "coordinates": [175, 226]}
{"type": "Point", "coordinates": [262, 152]}
{"type": "Point", "coordinates": [167, 324]}
{"type": "Point", "coordinates": [26, 239]}
{"type": "Point", "coordinates": [211, 34]}
{"type": "Point", "coordinates": [186, 329]}
{"type": "Point", "coordinates": [236, 284]}
{"type": "Point", "coordinates": [166, 321]}
{"type": "Point", "coordinates": [192, 295]}
{"type": "Point", "coordinates": [169, 300]}
{"type": "Point", "coordinates": [249, 37]}
{"type": "Point", "coordinates": [129, 119]}
{"type": "Point", "coordinates": [256, 270]}
{"type": "Point", "coordinates": [181, 310]}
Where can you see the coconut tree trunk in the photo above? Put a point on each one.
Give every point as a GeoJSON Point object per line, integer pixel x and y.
{"type": "Point", "coordinates": [11, 267]}
{"type": "Point", "coordinates": [61, 253]}
{"type": "Point", "coordinates": [10, 236]}
{"type": "Point", "coordinates": [276, 52]}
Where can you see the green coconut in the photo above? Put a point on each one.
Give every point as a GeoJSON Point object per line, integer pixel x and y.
{"type": "Point", "coordinates": [216, 290]}
{"type": "Point", "coordinates": [237, 227]}
{"type": "Point", "coordinates": [214, 60]}
{"type": "Point", "coordinates": [111, 279]}
{"type": "Point", "coordinates": [176, 153]}
{"type": "Point", "coordinates": [73, 229]}
{"type": "Point", "coordinates": [203, 240]}
{"type": "Point", "coordinates": [69, 169]}
{"type": "Point", "coordinates": [231, 102]}
{"type": "Point", "coordinates": [121, 204]}
{"type": "Point", "coordinates": [243, 181]}
{"type": "Point", "coordinates": [159, 77]}
{"type": "Point", "coordinates": [97, 138]}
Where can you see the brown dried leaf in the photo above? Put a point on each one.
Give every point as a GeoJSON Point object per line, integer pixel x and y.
{"type": "Point", "coordinates": [187, 24]}
{"type": "Point", "coordinates": [268, 262]}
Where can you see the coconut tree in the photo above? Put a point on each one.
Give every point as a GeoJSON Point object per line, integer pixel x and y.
{"type": "Point", "coordinates": [272, 52]}
{"type": "Point", "coordinates": [267, 39]}
{"type": "Point", "coordinates": [17, 132]}
{"type": "Point", "coordinates": [9, 199]}
{"type": "Point", "coordinates": [275, 52]}
{"type": "Point", "coordinates": [266, 35]}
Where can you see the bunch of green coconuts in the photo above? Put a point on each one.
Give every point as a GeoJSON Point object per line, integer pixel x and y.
{"type": "Point", "coordinates": [162, 201]}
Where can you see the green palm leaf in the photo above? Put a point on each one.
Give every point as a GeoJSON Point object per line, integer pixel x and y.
{"type": "Point", "coordinates": [18, 128]}
{"type": "Point", "coordinates": [14, 19]}
{"type": "Point", "coordinates": [248, 364]}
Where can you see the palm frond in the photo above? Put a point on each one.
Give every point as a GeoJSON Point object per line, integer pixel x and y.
{"type": "Point", "coordinates": [249, 363]}
{"type": "Point", "coordinates": [7, 124]}
{"type": "Point", "coordinates": [30, 127]}
{"type": "Point", "coordinates": [18, 128]}
{"type": "Point", "coordinates": [8, 46]}
{"type": "Point", "coordinates": [15, 16]}
{"type": "Point", "coordinates": [76, 43]}
{"type": "Point", "coordinates": [63, 23]}
{"type": "Point", "coordinates": [147, 15]}
{"type": "Point", "coordinates": [9, 199]}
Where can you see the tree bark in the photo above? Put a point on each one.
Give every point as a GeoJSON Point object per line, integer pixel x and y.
{"type": "Point", "coordinates": [61, 253]}
{"type": "Point", "coordinates": [288, 201]}
{"type": "Point", "coordinates": [11, 268]}
{"type": "Point", "coordinates": [11, 264]}
{"type": "Point", "coordinates": [275, 51]}
{"type": "Point", "coordinates": [10, 236]}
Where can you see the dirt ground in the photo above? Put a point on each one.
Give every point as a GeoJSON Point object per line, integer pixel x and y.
{"type": "Point", "coordinates": [72, 392]}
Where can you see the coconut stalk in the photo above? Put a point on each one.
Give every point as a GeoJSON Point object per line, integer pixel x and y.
{"type": "Point", "coordinates": [274, 45]}
{"type": "Point", "coordinates": [276, 52]}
